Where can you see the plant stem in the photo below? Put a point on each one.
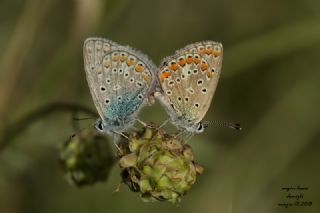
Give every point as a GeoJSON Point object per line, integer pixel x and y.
{"type": "Point", "coordinates": [13, 130]}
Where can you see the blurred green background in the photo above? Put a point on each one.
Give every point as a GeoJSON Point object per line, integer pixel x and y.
{"type": "Point", "coordinates": [270, 84]}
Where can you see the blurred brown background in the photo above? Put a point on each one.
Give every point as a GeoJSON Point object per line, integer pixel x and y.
{"type": "Point", "coordinates": [270, 83]}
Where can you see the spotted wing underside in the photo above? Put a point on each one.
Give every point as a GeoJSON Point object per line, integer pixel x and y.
{"type": "Point", "coordinates": [120, 78]}
{"type": "Point", "coordinates": [189, 78]}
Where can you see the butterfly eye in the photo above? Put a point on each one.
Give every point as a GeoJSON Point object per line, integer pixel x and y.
{"type": "Point", "coordinates": [99, 126]}
{"type": "Point", "coordinates": [200, 127]}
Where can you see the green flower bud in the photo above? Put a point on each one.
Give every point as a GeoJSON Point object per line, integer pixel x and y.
{"type": "Point", "coordinates": [159, 166]}
{"type": "Point", "coordinates": [86, 158]}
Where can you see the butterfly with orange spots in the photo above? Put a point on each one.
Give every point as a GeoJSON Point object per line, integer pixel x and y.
{"type": "Point", "coordinates": [120, 79]}
{"type": "Point", "coordinates": [187, 83]}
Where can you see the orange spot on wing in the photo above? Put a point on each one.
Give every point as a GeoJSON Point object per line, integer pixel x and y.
{"type": "Point", "coordinates": [131, 62]}
{"type": "Point", "coordinates": [208, 51]}
{"type": "Point", "coordinates": [173, 66]}
{"type": "Point", "coordinates": [196, 60]}
{"type": "Point", "coordinates": [145, 77]}
{"type": "Point", "coordinates": [204, 66]}
{"type": "Point", "coordinates": [210, 73]}
{"type": "Point", "coordinates": [164, 75]}
{"type": "Point", "coordinates": [201, 50]}
{"type": "Point", "coordinates": [189, 59]}
{"type": "Point", "coordinates": [139, 68]}
{"type": "Point", "coordinates": [217, 53]}
{"type": "Point", "coordinates": [182, 62]}
{"type": "Point", "coordinates": [123, 58]}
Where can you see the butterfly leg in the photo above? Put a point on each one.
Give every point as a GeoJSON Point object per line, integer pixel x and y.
{"type": "Point", "coordinates": [178, 134]}
{"type": "Point", "coordinates": [114, 140]}
{"type": "Point", "coordinates": [188, 137]}
{"type": "Point", "coordinates": [141, 122]}
{"type": "Point", "coordinates": [120, 133]}
{"type": "Point", "coordinates": [163, 124]}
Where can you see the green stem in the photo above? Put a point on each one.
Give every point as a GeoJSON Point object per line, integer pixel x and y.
{"type": "Point", "coordinates": [18, 127]}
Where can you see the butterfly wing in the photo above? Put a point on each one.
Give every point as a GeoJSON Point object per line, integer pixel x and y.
{"type": "Point", "coordinates": [120, 80]}
{"type": "Point", "coordinates": [188, 81]}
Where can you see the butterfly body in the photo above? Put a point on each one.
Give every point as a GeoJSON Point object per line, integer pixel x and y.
{"type": "Point", "coordinates": [187, 82]}
{"type": "Point", "coordinates": [120, 81]}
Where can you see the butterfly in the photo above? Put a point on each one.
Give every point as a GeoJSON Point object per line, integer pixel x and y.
{"type": "Point", "coordinates": [187, 83]}
{"type": "Point", "coordinates": [120, 80]}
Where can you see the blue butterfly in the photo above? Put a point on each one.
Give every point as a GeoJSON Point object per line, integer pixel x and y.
{"type": "Point", "coordinates": [120, 79]}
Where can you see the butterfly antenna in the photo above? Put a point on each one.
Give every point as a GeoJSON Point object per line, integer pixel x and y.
{"type": "Point", "coordinates": [235, 126]}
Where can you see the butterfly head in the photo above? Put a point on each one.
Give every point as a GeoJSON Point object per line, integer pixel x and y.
{"type": "Point", "coordinates": [200, 127]}
{"type": "Point", "coordinates": [113, 125]}
{"type": "Point", "coordinates": [99, 125]}
{"type": "Point", "coordinates": [196, 127]}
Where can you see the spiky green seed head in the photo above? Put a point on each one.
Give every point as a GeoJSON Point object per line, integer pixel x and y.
{"type": "Point", "coordinates": [86, 158]}
{"type": "Point", "coordinates": [159, 166]}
